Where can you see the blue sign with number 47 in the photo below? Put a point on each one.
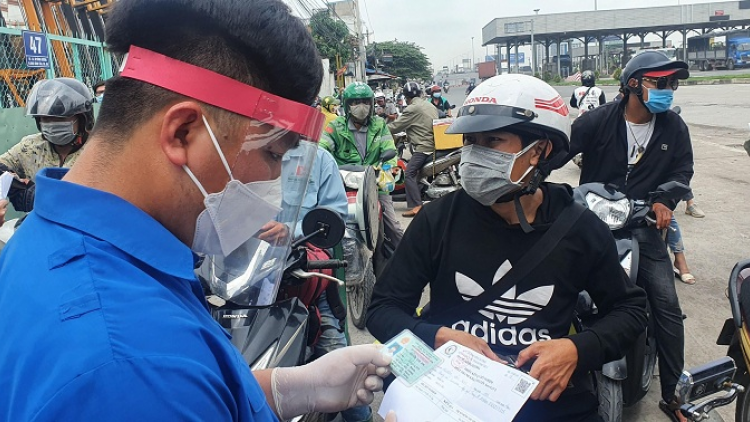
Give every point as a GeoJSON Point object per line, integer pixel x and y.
{"type": "Point", "coordinates": [35, 45]}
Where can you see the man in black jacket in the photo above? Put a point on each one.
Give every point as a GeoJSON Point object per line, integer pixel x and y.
{"type": "Point", "coordinates": [638, 144]}
{"type": "Point", "coordinates": [476, 239]}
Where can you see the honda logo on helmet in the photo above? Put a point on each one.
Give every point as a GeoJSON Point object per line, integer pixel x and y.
{"type": "Point", "coordinates": [481, 100]}
{"type": "Point", "coordinates": [556, 104]}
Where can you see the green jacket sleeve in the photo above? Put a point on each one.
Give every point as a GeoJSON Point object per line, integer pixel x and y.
{"type": "Point", "coordinates": [327, 141]}
{"type": "Point", "coordinates": [385, 141]}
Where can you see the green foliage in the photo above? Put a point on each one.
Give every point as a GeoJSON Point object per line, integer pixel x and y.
{"type": "Point", "coordinates": [616, 74]}
{"type": "Point", "coordinates": [557, 79]}
{"type": "Point", "coordinates": [596, 74]}
{"type": "Point", "coordinates": [408, 60]}
{"type": "Point", "coordinates": [331, 37]}
{"type": "Point", "coordinates": [547, 76]}
{"type": "Point", "coordinates": [537, 75]}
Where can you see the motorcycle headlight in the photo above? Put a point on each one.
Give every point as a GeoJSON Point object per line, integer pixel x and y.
{"type": "Point", "coordinates": [353, 180]}
{"type": "Point", "coordinates": [614, 213]}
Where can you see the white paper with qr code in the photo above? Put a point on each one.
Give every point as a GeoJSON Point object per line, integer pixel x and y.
{"type": "Point", "coordinates": [465, 387]}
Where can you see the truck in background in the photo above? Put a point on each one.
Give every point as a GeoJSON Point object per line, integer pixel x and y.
{"type": "Point", "coordinates": [725, 49]}
{"type": "Point", "coordinates": [670, 52]}
{"type": "Point", "coordinates": [487, 70]}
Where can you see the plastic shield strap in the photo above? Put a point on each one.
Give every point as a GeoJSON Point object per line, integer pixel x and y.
{"type": "Point", "coordinates": [251, 275]}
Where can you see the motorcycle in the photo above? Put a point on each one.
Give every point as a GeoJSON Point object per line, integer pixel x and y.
{"type": "Point", "coordinates": [707, 381]}
{"type": "Point", "coordinates": [625, 381]}
{"type": "Point", "coordinates": [365, 247]}
{"type": "Point", "coordinates": [436, 179]}
{"type": "Point", "coordinates": [736, 334]}
{"type": "Point", "coordinates": [277, 335]}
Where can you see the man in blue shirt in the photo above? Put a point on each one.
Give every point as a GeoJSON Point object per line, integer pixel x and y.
{"type": "Point", "coordinates": [117, 326]}
{"type": "Point", "coordinates": [325, 189]}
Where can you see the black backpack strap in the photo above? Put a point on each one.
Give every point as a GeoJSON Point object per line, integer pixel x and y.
{"type": "Point", "coordinates": [529, 261]}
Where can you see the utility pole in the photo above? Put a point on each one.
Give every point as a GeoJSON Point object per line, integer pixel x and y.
{"type": "Point", "coordinates": [472, 54]}
{"type": "Point", "coordinates": [361, 72]}
{"type": "Point", "coordinates": [533, 45]}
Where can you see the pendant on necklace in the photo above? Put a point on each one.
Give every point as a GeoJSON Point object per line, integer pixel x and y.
{"type": "Point", "coordinates": [641, 149]}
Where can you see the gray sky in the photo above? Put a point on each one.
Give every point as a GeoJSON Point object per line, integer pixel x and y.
{"type": "Point", "coordinates": [445, 27]}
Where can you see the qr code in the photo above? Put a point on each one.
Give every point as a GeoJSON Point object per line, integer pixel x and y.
{"type": "Point", "coordinates": [522, 386]}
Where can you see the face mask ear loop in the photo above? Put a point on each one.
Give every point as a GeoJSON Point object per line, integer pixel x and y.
{"type": "Point", "coordinates": [524, 151]}
{"type": "Point", "coordinates": [218, 148]}
{"type": "Point", "coordinates": [195, 180]}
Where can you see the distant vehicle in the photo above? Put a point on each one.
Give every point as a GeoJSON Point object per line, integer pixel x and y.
{"type": "Point", "coordinates": [487, 70]}
{"type": "Point", "coordinates": [725, 49]}
{"type": "Point", "coordinates": [671, 52]}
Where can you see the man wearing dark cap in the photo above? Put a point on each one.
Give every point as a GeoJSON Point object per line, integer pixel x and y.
{"type": "Point", "coordinates": [638, 144]}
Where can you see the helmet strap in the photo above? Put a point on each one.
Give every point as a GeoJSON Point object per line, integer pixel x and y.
{"type": "Point", "coordinates": [525, 226]}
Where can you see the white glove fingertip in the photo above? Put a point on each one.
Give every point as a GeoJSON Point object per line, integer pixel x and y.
{"type": "Point", "coordinates": [383, 371]}
{"type": "Point", "coordinates": [365, 397]}
{"type": "Point", "coordinates": [374, 383]}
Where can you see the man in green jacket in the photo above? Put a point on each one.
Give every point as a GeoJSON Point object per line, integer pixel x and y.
{"type": "Point", "coordinates": [360, 137]}
{"type": "Point", "coordinates": [417, 123]}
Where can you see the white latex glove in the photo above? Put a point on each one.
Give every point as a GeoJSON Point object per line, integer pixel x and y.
{"type": "Point", "coordinates": [337, 381]}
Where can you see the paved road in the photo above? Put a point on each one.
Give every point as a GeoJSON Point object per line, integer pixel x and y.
{"type": "Point", "coordinates": [718, 121]}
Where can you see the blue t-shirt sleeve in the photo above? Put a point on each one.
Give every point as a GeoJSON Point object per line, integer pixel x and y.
{"type": "Point", "coordinates": [154, 389]}
{"type": "Point", "coordinates": [332, 193]}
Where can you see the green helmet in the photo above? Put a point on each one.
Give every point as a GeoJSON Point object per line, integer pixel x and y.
{"type": "Point", "coordinates": [358, 91]}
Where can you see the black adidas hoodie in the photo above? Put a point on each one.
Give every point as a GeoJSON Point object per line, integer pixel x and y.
{"type": "Point", "coordinates": [459, 247]}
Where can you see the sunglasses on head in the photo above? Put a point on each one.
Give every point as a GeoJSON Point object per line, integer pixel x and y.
{"type": "Point", "coordinates": [664, 82]}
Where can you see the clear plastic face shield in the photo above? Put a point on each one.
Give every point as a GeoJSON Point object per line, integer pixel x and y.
{"type": "Point", "coordinates": [246, 229]}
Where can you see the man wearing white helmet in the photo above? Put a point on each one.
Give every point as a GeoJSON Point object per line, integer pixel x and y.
{"type": "Point", "coordinates": [506, 257]}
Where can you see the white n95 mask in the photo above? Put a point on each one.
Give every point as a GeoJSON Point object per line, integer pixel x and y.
{"type": "Point", "coordinates": [235, 214]}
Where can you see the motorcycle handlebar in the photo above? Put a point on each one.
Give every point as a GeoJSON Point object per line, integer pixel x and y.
{"type": "Point", "coordinates": [326, 264]}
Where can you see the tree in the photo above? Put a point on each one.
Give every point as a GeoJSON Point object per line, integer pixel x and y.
{"type": "Point", "coordinates": [331, 37]}
{"type": "Point", "coordinates": [408, 61]}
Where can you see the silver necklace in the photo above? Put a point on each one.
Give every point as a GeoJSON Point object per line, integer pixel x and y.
{"type": "Point", "coordinates": [641, 148]}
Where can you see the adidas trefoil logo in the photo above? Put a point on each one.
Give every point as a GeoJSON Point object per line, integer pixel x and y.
{"type": "Point", "coordinates": [516, 308]}
{"type": "Point", "coordinates": [509, 308]}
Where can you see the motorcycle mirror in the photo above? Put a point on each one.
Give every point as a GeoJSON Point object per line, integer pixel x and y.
{"type": "Point", "coordinates": [671, 190]}
{"type": "Point", "coordinates": [453, 106]}
{"type": "Point", "coordinates": [677, 109]}
{"type": "Point", "coordinates": [387, 155]}
{"type": "Point", "coordinates": [328, 224]}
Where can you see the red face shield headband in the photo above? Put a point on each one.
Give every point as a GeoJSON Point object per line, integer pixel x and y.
{"type": "Point", "coordinates": [223, 92]}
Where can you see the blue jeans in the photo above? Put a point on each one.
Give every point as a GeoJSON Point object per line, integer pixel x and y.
{"type": "Point", "coordinates": [656, 277]}
{"type": "Point", "coordinates": [674, 237]}
{"type": "Point", "coordinates": [331, 339]}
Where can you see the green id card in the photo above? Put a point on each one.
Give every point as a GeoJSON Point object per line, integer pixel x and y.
{"type": "Point", "coordinates": [412, 358]}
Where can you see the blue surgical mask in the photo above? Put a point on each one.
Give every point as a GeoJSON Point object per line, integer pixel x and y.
{"type": "Point", "coordinates": [659, 100]}
{"type": "Point", "coordinates": [437, 95]}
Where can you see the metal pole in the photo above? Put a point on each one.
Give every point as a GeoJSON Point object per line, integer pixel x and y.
{"type": "Point", "coordinates": [533, 59]}
{"type": "Point", "coordinates": [472, 54]}
{"type": "Point", "coordinates": [595, 8]}
{"type": "Point", "coordinates": [361, 46]}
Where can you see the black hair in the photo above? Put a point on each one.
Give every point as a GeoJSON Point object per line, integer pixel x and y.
{"type": "Point", "coordinates": [98, 85]}
{"type": "Point", "coordinates": [257, 42]}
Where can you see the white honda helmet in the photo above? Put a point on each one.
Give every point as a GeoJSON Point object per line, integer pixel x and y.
{"type": "Point", "coordinates": [519, 103]}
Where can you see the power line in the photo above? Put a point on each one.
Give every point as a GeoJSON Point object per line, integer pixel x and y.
{"type": "Point", "coordinates": [368, 17]}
